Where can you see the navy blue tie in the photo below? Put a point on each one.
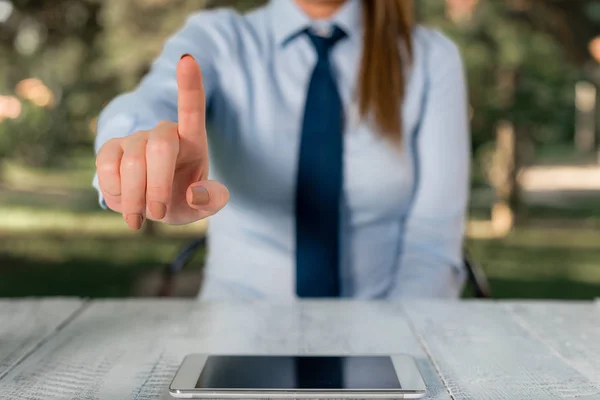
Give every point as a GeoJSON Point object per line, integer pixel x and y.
{"type": "Point", "coordinates": [319, 186]}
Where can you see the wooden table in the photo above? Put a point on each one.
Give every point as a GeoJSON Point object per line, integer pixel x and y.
{"type": "Point", "coordinates": [74, 349]}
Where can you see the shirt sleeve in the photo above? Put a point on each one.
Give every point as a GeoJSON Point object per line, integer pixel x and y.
{"type": "Point", "coordinates": [431, 257]}
{"type": "Point", "coordinates": [155, 99]}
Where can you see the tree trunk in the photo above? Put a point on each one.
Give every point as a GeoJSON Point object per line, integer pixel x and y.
{"type": "Point", "coordinates": [585, 130]}
{"type": "Point", "coordinates": [508, 209]}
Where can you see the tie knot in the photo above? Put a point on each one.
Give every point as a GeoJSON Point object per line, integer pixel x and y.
{"type": "Point", "coordinates": [323, 44]}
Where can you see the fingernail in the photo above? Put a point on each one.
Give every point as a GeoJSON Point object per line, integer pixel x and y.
{"type": "Point", "coordinates": [187, 55]}
{"type": "Point", "coordinates": [157, 209]}
{"type": "Point", "coordinates": [134, 221]}
{"type": "Point", "coordinates": [200, 196]}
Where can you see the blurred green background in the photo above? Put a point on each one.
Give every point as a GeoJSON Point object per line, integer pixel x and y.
{"type": "Point", "coordinates": [533, 68]}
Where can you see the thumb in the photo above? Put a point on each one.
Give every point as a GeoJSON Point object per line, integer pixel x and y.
{"type": "Point", "coordinates": [208, 197]}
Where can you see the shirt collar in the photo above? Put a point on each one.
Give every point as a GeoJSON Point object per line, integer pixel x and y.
{"type": "Point", "coordinates": [289, 20]}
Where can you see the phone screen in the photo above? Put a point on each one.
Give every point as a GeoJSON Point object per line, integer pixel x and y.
{"type": "Point", "coordinates": [289, 373]}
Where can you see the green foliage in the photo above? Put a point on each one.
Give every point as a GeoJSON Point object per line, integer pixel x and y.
{"type": "Point", "coordinates": [33, 138]}
{"type": "Point", "coordinates": [135, 32]}
{"type": "Point", "coordinates": [52, 41]}
{"type": "Point", "coordinates": [88, 51]}
{"type": "Point", "coordinates": [516, 71]}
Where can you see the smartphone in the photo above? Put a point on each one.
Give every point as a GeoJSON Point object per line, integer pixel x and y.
{"type": "Point", "coordinates": [203, 376]}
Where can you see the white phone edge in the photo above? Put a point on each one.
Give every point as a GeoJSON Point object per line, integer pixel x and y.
{"type": "Point", "coordinates": [187, 375]}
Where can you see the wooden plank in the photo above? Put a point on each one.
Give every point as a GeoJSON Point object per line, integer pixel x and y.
{"type": "Point", "coordinates": [570, 330]}
{"type": "Point", "coordinates": [365, 328]}
{"type": "Point", "coordinates": [483, 353]}
{"type": "Point", "coordinates": [125, 350]}
{"type": "Point", "coordinates": [26, 324]}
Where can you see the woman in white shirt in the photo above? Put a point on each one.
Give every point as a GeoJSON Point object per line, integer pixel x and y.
{"type": "Point", "coordinates": [338, 138]}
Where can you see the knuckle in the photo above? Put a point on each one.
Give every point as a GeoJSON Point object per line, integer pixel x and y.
{"type": "Point", "coordinates": [133, 163]}
{"type": "Point", "coordinates": [107, 147]}
{"type": "Point", "coordinates": [113, 142]}
{"type": "Point", "coordinates": [107, 168]}
{"type": "Point", "coordinates": [135, 137]}
{"type": "Point", "coordinates": [160, 146]}
{"type": "Point", "coordinates": [164, 124]}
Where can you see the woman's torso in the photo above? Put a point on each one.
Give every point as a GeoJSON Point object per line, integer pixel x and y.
{"type": "Point", "coordinates": [255, 123]}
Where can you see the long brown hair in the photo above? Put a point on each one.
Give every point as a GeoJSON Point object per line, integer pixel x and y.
{"type": "Point", "coordinates": [381, 86]}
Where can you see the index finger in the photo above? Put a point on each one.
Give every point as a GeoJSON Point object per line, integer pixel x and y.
{"type": "Point", "coordinates": [191, 103]}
